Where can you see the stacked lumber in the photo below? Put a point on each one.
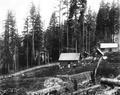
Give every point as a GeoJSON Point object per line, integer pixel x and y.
{"type": "Point", "coordinates": [80, 77]}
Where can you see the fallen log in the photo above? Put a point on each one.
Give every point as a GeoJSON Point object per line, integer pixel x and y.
{"type": "Point", "coordinates": [110, 82]}
{"type": "Point", "coordinates": [45, 91]}
{"type": "Point", "coordinates": [27, 71]}
{"type": "Point", "coordinates": [86, 89]}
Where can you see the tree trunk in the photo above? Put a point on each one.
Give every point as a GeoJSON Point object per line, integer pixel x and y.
{"type": "Point", "coordinates": [110, 82]}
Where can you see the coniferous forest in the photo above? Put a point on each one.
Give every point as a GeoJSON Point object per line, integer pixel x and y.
{"type": "Point", "coordinates": [72, 28]}
{"type": "Point", "coordinates": [65, 58]}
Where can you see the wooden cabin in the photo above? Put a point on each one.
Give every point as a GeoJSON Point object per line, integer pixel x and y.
{"type": "Point", "coordinates": [69, 59]}
{"type": "Point", "coordinates": [109, 47]}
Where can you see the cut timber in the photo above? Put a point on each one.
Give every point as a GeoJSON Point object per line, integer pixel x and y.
{"type": "Point", "coordinates": [110, 82]}
{"type": "Point", "coordinates": [86, 89]}
{"type": "Point", "coordinates": [27, 70]}
{"type": "Point", "coordinates": [45, 91]}
{"type": "Point", "coordinates": [80, 76]}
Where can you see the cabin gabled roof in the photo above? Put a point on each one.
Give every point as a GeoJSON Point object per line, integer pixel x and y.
{"type": "Point", "coordinates": [69, 57]}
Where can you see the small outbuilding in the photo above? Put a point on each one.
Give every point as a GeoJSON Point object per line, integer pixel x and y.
{"type": "Point", "coordinates": [69, 59]}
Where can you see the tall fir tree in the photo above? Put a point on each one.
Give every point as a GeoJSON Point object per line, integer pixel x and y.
{"type": "Point", "coordinates": [102, 23]}
{"type": "Point", "coordinates": [52, 38]}
{"type": "Point", "coordinates": [114, 19]}
{"type": "Point", "coordinates": [33, 32]}
{"type": "Point", "coordinates": [90, 27]}
{"type": "Point", "coordinates": [11, 43]}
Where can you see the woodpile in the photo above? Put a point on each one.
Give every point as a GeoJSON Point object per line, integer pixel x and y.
{"type": "Point", "coordinates": [50, 82]}
{"type": "Point", "coordinates": [70, 86]}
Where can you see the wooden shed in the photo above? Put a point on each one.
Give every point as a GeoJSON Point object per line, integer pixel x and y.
{"type": "Point", "coordinates": [69, 59]}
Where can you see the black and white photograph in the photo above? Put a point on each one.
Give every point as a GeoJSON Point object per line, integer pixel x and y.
{"type": "Point", "coordinates": [59, 47]}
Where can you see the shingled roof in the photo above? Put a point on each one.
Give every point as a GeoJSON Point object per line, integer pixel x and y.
{"type": "Point", "coordinates": [69, 57]}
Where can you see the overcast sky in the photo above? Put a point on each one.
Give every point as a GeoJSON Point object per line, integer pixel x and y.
{"type": "Point", "coordinates": [21, 9]}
